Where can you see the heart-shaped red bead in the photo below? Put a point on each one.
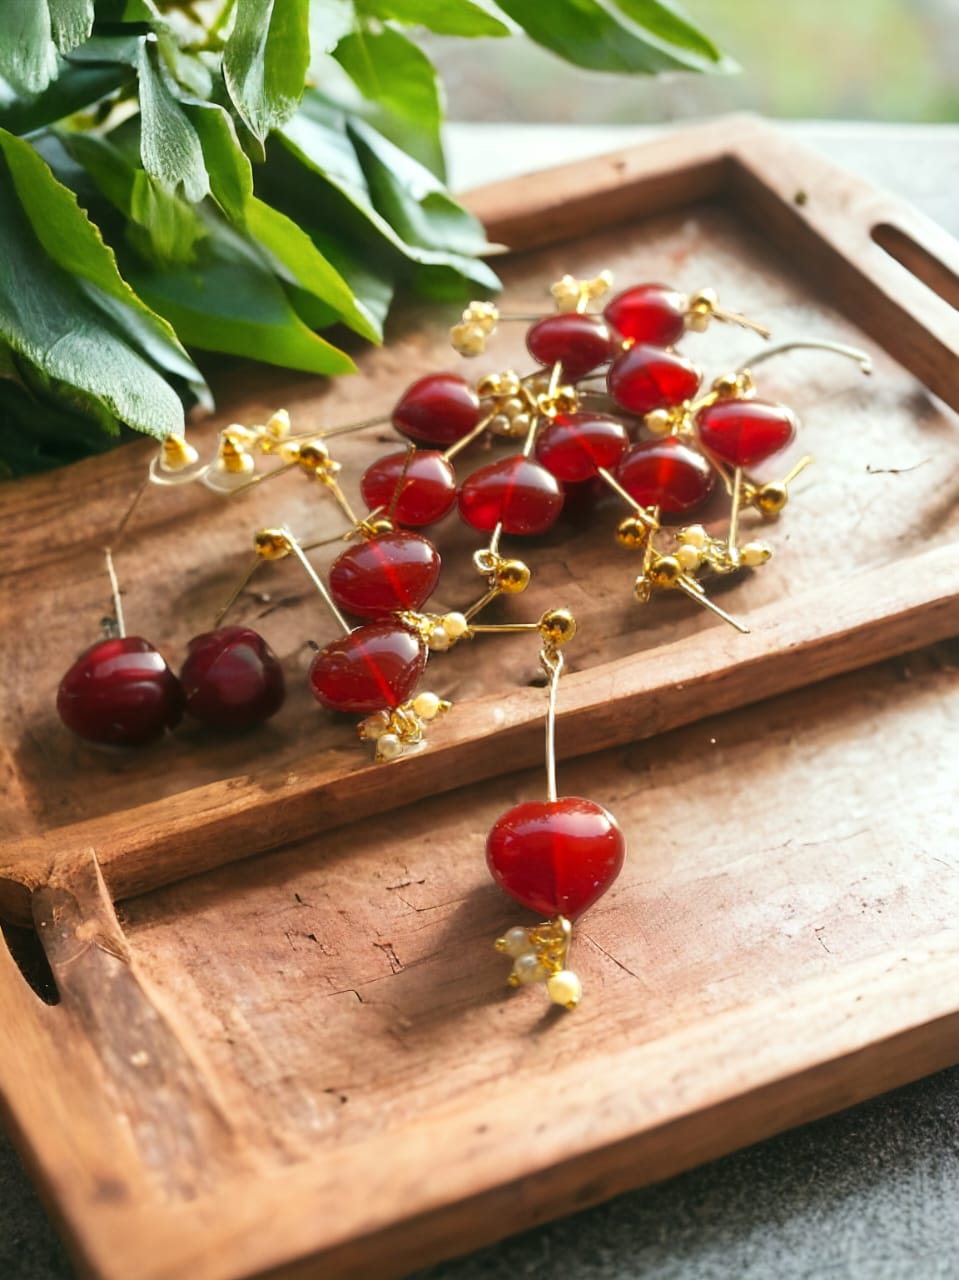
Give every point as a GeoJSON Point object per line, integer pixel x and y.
{"type": "Point", "coordinates": [650, 313]}
{"type": "Point", "coordinates": [556, 857]}
{"type": "Point", "coordinates": [666, 473]}
{"type": "Point", "coordinates": [579, 343]}
{"type": "Point", "coordinates": [438, 409]}
{"type": "Point", "coordinates": [515, 492]}
{"type": "Point", "coordinates": [574, 445]}
{"type": "Point", "coordinates": [745, 432]}
{"type": "Point", "coordinates": [391, 571]}
{"type": "Point", "coordinates": [375, 666]}
{"type": "Point", "coordinates": [647, 377]}
{"type": "Point", "coordinates": [426, 485]}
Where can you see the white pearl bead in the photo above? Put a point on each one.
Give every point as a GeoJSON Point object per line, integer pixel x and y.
{"type": "Point", "coordinates": [455, 625]}
{"type": "Point", "coordinates": [388, 747]}
{"type": "Point", "coordinates": [516, 942]}
{"type": "Point", "coordinates": [374, 726]}
{"type": "Point", "coordinates": [754, 553]}
{"type": "Point", "coordinates": [528, 968]}
{"type": "Point", "coordinates": [689, 557]}
{"type": "Point", "coordinates": [694, 536]}
{"type": "Point", "coordinates": [278, 425]}
{"type": "Point", "coordinates": [438, 639]}
{"type": "Point", "coordinates": [565, 988]}
{"type": "Point", "coordinates": [426, 705]}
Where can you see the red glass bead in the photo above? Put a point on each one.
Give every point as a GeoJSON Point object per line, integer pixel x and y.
{"type": "Point", "coordinates": [646, 378]}
{"type": "Point", "coordinates": [375, 666]}
{"type": "Point", "coordinates": [428, 491]}
{"type": "Point", "coordinates": [517, 492]}
{"type": "Point", "coordinates": [580, 343]}
{"type": "Point", "coordinates": [745, 432]}
{"type": "Point", "coordinates": [120, 691]}
{"type": "Point", "coordinates": [391, 571]}
{"type": "Point", "coordinates": [556, 857]}
{"type": "Point", "coordinates": [666, 473]}
{"type": "Point", "coordinates": [232, 679]}
{"type": "Point", "coordinates": [438, 409]}
{"type": "Point", "coordinates": [648, 313]}
{"type": "Point", "coordinates": [574, 445]}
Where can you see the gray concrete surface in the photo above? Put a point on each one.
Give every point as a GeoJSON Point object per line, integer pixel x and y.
{"type": "Point", "coordinates": [872, 1194]}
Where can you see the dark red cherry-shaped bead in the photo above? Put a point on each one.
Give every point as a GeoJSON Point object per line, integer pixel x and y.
{"type": "Point", "coordinates": [438, 409]}
{"type": "Point", "coordinates": [375, 666]}
{"type": "Point", "coordinates": [646, 378]}
{"type": "Point", "coordinates": [232, 679]}
{"type": "Point", "coordinates": [745, 432]}
{"type": "Point", "coordinates": [578, 342]}
{"type": "Point", "coordinates": [121, 692]}
{"type": "Point", "coordinates": [390, 571]}
{"type": "Point", "coordinates": [574, 445]}
{"type": "Point", "coordinates": [666, 473]}
{"type": "Point", "coordinates": [648, 313]}
{"type": "Point", "coordinates": [556, 856]}
{"type": "Point", "coordinates": [516, 492]}
{"type": "Point", "coordinates": [427, 492]}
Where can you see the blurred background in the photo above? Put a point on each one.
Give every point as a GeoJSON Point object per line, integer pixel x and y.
{"type": "Point", "coordinates": [815, 59]}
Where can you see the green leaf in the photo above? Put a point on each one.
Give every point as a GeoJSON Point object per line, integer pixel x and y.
{"type": "Point", "coordinates": [266, 60]}
{"type": "Point", "coordinates": [75, 246]}
{"type": "Point", "coordinates": [292, 254]}
{"type": "Point", "coordinates": [598, 35]}
{"type": "Point", "coordinates": [169, 146]}
{"type": "Point", "coordinates": [462, 18]}
{"type": "Point", "coordinates": [317, 138]}
{"type": "Point", "coordinates": [28, 56]}
{"type": "Point", "coordinates": [55, 324]}
{"type": "Point", "coordinates": [398, 78]}
{"type": "Point", "coordinates": [668, 23]}
{"type": "Point", "coordinates": [233, 303]}
{"type": "Point", "coordinates": [77, 88]}
{"type": "Point", "coordinates": [71, 22]}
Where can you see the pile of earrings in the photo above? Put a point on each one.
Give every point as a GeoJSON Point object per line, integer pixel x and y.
{"type": "Point", "coordinates": [650, 433]}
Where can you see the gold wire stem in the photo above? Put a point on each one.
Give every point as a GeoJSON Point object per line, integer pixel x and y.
{"type": "Point", "coordinates": [115, 592]}
{"type": "Point", "coordinates": [468, 439]}
{"type": "Point", "coordinates": [118, 531]}
{"type": "Point", "coordinates": [553, 665]}
{"type": "Point", "coordinates": [810, 344]}
{"type": "Point", "coordinates": [699, 595]}
{"type": "Point", "coordinates": [648, 551]}
{"type": "Point", "coordinates": [800, 466]}
{"type": "Point", "coordinates": [325, 433]}
{"type": "Point", "coordinates": [236, 593]}
{"type": "Point", "coordinates": [640, 512]}
{"type": "Point", "coordinates": [339, 498]}
{"type": "Point", "coordinates": [493, 546]}
{"type": "Point", "coordinates": [554, 376]}
{"type": "Point", "coordinates": [744, 322]}
{"type": "Point", "coordinates": [400, 481]}
{"type": "Point", "coordinates": [733, 531]}
{"type": "Point", "coordinates": [489, 628]}
{"type": "Point", "coordinates": [317, 582]}
{"type": "Point", "coordinates": [268, 475]}
{"type": "Point", "coordinates": [482, 602]}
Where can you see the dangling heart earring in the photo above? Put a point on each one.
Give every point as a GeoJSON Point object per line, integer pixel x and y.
{"type": "Point", "coordinates": [556, 856]}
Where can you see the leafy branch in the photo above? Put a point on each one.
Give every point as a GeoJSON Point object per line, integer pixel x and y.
{"type": "Point", "coordinates": [235, 176]}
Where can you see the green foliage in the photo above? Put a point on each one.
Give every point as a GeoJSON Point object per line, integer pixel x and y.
{"type": "Point", "coordinates": [233, 176]}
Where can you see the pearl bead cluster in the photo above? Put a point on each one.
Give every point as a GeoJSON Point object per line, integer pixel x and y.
{"type": "Point", "coordinates": [395, 729]}
{"type": "Point", "coordinates": [539, 955]}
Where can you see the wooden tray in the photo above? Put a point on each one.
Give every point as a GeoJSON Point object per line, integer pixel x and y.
{"type": "Point", "coordinates": [307, 1062]}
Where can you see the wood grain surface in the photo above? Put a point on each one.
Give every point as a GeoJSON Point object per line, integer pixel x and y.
{"type": "Point", "coordinates": [308, 1062]}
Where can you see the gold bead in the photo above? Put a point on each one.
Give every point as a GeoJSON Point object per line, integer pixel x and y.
{"type": "Point", "coordinates": [289, 451]}
{"type": "Point", "coordinates": [771, 498]}
{"type": "Point", "coordinates": [382, 524]}
{"type": "Point", "coordinates": [704, 302]}
{"type": "Point", "coordinates": [642, 589]}
{"type": "Point", "coordinates": [176, 454]}
{"type": "Point", "coordinates": [557, 626]}
{"type": "Point", "coordinates": [271, 544]}
{"type": "Point", "coordinates": [278, 425]}
{"type": "Point", "coordinates": [313, 455]}
{"type": "Point", "coordinates": [666, 572]}
{"type": "Point", "coordinates": [631, 532]}
{"type": "Point", "coordinates": [511, 576]}
{"type": "Point", "coordinates": [726, 385]}
{"type": "Point", "coordinates": [232, 456]}
{"type": "Point", "coordinates": [488, 385]}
